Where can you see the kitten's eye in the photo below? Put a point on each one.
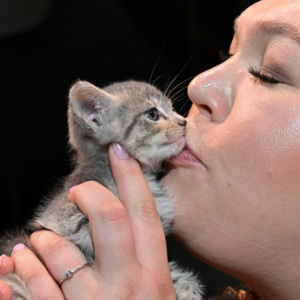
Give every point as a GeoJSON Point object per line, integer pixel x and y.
{"type": "Point", "coordinates": [152, 114]}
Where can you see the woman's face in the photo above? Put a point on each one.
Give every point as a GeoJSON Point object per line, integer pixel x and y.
{"type": "Point", "coordinates": [238, 185]}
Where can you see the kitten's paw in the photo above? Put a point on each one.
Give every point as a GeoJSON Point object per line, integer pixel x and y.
{"type": "Point", "coordinates": [186, 284]}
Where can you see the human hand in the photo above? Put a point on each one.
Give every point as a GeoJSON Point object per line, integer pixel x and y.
{"type": "Point", "coordinates": [130, 249]}
{"type": "Point", "coordinates": [24, 262]}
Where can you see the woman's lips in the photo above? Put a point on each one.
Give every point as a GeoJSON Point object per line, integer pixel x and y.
{"type": "Point", "coordinates": [185, 156]}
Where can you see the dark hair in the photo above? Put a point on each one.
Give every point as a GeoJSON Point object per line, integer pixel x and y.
{"type": "Point", "coordinates": [243, 294]}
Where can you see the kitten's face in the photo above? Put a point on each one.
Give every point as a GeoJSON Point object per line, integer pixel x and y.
{"type": "Point", "coordinates": [134, 114]}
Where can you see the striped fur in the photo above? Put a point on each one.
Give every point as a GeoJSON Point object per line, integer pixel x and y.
{"type": "Point", "coordinates": [139, 117]}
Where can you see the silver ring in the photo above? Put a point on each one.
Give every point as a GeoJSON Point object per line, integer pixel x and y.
{"type": "Point", "coordinates": [69, 274]}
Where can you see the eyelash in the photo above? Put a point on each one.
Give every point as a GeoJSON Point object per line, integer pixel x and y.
{"type": "Point", "coordinates": [263, 78]}
{"type": "Point", "coordinates": [257, 74]}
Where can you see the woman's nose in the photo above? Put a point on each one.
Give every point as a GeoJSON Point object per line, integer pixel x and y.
{"type": "Point", "coordinates": [211, 92]}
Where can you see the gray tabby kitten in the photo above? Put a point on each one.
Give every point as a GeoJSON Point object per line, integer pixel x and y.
{"type": "Point", "coordinates": [142, 119]}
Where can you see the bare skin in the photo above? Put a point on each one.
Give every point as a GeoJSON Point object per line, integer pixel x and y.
{"type": "Point", "coordinates": [236, 185]}
{"type": "Point", "coordinates": [244, 132]}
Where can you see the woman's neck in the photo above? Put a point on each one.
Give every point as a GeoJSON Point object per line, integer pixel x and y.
{"type": "Point", "coordinates": [279, 282]}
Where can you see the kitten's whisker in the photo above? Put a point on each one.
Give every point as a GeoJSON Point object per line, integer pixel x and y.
{"type": "Point", "coordinates": [178, 95]}
{"type": "Point", "coordinates": [154, 68]}
{"type": "Point", "coordinates": [183, 106]}
{"type": "Point", "coordinates": [179, 99]}
{"type": "Point", "coordinates": [156, 63]}
{"type": "Point", "coordinates": [161, 76]}
{"type": "Point", "coordinates": [179, 84]}
{"type": "Point", "coordinates": [166, 92]}
{"type": "Point", "coordinates": [185, 114]}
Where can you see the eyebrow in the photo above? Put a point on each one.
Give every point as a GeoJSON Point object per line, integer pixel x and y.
{"type": "Point", "coordinates": [274, 28]}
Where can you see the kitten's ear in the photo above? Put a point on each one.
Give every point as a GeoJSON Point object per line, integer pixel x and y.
{"type": "Point", "coordinates": [87, 102]}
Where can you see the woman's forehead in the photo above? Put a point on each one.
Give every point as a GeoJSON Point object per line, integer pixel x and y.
{"type": "Point", "coordinates": [273, 14]}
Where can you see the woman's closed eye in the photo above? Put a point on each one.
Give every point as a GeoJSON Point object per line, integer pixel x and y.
{"type": "Point", "coordinates": [263, 78]}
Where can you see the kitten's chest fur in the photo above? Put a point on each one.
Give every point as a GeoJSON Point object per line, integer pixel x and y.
{"type": "Point", "coordinates": [64, 218]}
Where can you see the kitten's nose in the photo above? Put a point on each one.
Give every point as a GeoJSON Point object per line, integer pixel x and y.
{"type": "Point", "coordinates": [182, 123]}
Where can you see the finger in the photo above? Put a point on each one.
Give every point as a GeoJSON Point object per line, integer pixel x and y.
{"type": "Point", "coordinates": [135, 194]}
{"type": "Point", "coordinates": [109, 227]}
{"type": "Point", "coordinates": [60, 256]}
{"type": "Point", "coordinates": [5, 291]}
{"type": "Point", "coordinates": [6, 265]}
{"type": "Point", "coordinates": [39, 282]}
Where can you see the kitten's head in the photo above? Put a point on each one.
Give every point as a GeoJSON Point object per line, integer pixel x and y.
{"type": "Point", "coordinates": [134, 114]}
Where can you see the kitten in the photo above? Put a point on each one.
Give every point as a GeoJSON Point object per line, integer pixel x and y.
{"type": "Point", "coordinates": [141, 118]}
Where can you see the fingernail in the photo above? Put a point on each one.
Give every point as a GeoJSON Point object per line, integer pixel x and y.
{"type": "Point", "coordinates": [72, 189]}
{"type": "Point", "coordinates": [18, 247]}
{"type": "Point", "coordinates": [120, 152]}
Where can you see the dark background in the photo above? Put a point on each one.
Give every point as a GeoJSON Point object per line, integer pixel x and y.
{"type": "Point", "coordinates": [45, 48]}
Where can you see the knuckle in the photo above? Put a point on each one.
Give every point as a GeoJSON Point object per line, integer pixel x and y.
{"type": "Point", "coordinates": [112, 212]}
{"type": "Point", "coordinates": [32, 275]}
{"type": "Point", "coordinates": [128, 288]}
{"type": "Point", "coordinates": [164, 283]}
{"type": "Point", "coordinates": [134, 171]}
{"type": "Point", "coordinates": [56, 244]}
{"type": "Point", "coordinates": [146, 211]}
